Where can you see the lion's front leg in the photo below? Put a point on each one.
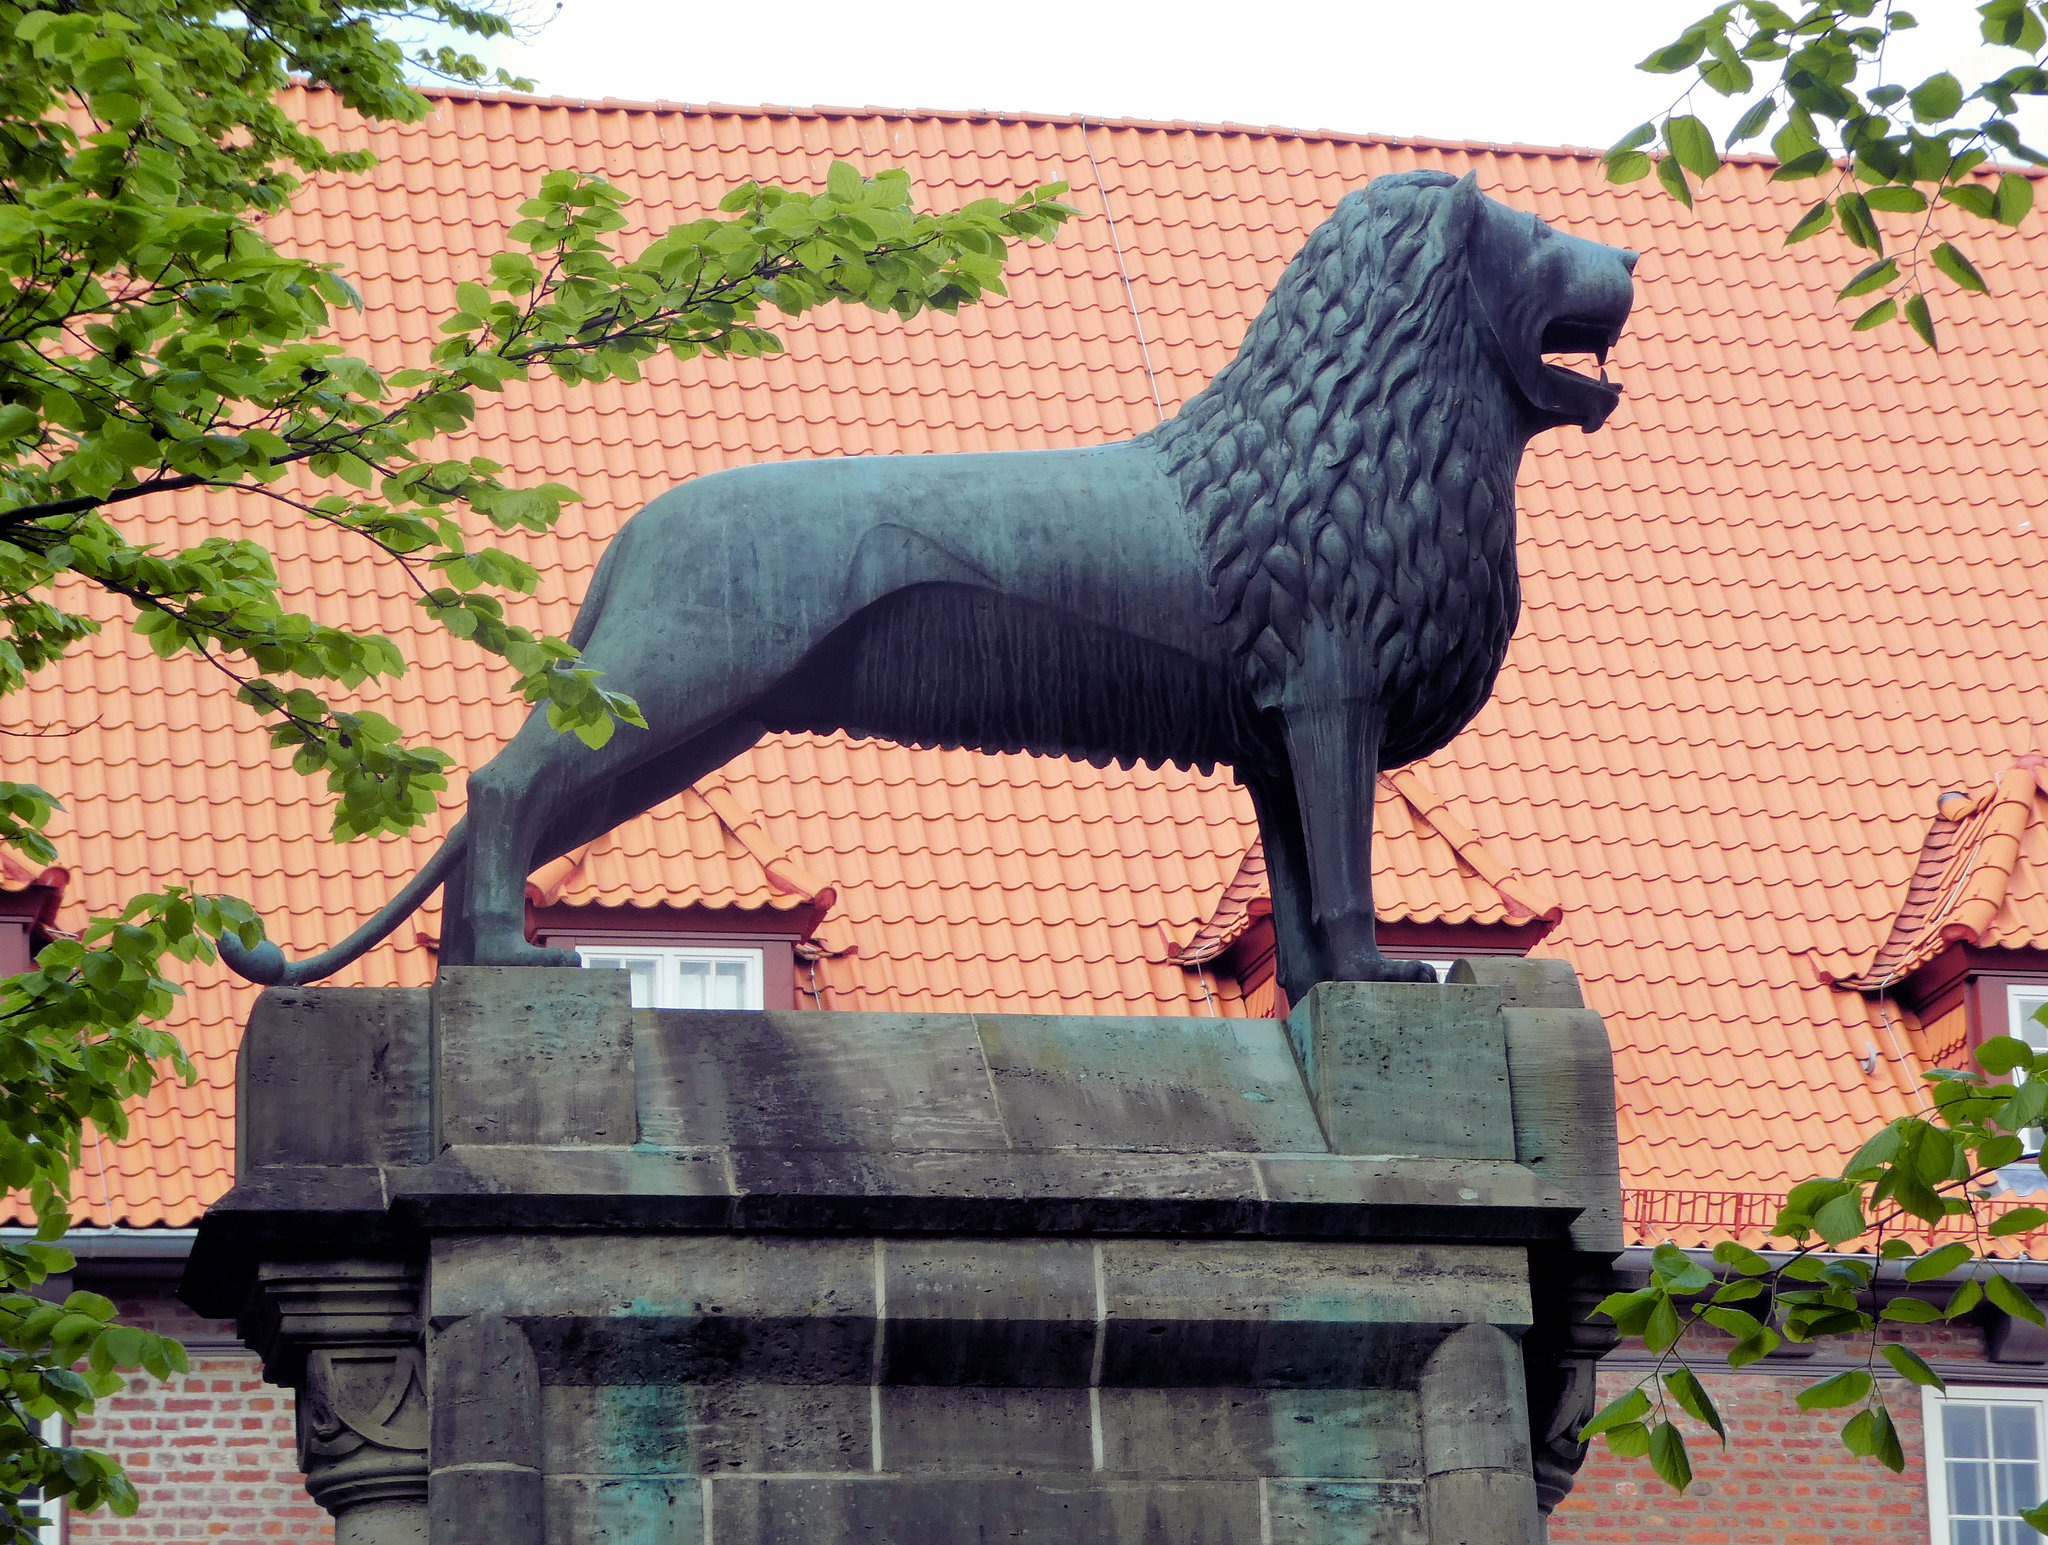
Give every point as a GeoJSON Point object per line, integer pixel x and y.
{"type": "Point", "coordinates": [1298, 961]}
{"type": "Point", "coordinates": [1333, 747]}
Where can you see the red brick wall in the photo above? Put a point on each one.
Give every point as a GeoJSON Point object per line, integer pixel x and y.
{"type": "Point", "coordinates": [212, 1453]}
{"type": "Point", "coordinates": [1785, 1478]}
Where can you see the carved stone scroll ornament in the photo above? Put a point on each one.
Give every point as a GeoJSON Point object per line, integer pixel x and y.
{"type": "Point", "coordinates": [363, 1441]}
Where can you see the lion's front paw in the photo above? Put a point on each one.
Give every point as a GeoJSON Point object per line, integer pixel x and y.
{"type": "Point", "coordinates": [524, 954]}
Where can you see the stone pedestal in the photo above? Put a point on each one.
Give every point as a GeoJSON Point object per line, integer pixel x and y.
{"type": "Point", "coordinates": [546, 1268]}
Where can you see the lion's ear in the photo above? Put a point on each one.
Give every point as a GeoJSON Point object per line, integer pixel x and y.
{"type": "Point", "coordinates": [1464, 199]}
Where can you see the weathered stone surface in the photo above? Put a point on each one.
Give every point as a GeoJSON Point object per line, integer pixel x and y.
{"type": "Point", "coordinates": [1524, 983]}
{"type": "Point", "coordinates": [1346, 1512]}
{"type": "Point", "coordinates": [486, 1395]}
{"type": "Point", "coordinates": [1188, 1085]}
{"type": "Point", "coordinates": [1478, 1486]}
{"type": "Point", "coordinates": [607, 1276]}
{"type": "Point", "coordinates": [1562, 1067]}
{"type": "Point", "coordinates": [997, 1192]}
{"type": "Point", "coordinates": [528, 1055]}
{"type": "Point", "coordinates": [486, 1507]}
{"type": "Point", "coordinates": [1406, 1068]}
{"type": "Point", "coordinates": [625, 1510]}
{"type": "Point", "coordinates": [333, 1076]}
{"type": "Point", "coordinates": [791, 1082]}
{"type": "Point", "coordinates": [828, 1278]}
{"type": "Point", "coordinates": [955, 1430]}
{"type": "Point", "coordinates": [1298, 1314]}
{"type": "Point", "coordinates": [1076, 1510]}
{"type": "Point", "coordinates": [1369, 1434]}
{"type": "Point", "coordinates": [706, 1429]}
{"type": "Point", "coordinates": [970, 1311]}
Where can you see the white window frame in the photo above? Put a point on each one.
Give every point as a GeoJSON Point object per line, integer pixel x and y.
{"type": "Point", "coordinates": [56, 1515]}
{"type": "Point", "coordinates": [1940, 1523]}
{"type": "Point", "coordinates": [2021, 999]}
{"type": "Point", "coordinates": [668, 960]}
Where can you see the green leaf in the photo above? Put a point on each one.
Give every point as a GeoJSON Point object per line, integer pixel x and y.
{"type": "Point", "coordinates": [1691, 145]}
{"type": "Point", "coordinates": [1742, 1258]}
{"type": "Point", "coordinates": [2014, 198]}
{"type": "Point", "coordinates": [2000, 1054]}
{"type": "Point", "coordinates": [1752, 122]}
{"type": "Point", "coordinates": [1841, 1220]}
{"type": "Point", "coordinates": [1631, 1440]}
{"type": "Point", "coordinates": [1997, 1152]}
{"type": "Point", "coordinates": [1937, 98]}
{"type": "Point", "coordinates": [2019, 1221]}
{"type": "Point", "coordinates": [1963, 1299]}
{"type": "Point", "coordinates": [1912, 1311]}
{"type": "Point", "coordinates": [1912, 1366]}
{"type": "Point", "coordinates": [1802, 167]}
{"type": "Point", "coordinates": [1859, 1434]}
{"type": "Point", "coordinates": [1663, 1327]}
{"type": "Point", "coordinates": [1940, 1262]}
{"type": "Point", "coordinates": [1812, 223]}
{"type": "Point", "coordinates": [1853, 210]}
{"type": "Point", "coordinates": [1692, 1398]}
{"type": "Point", "coordinates": [1877, 315]}
{"type": "Point", "coordinates": [1678, 1272]}
{"type": "Point", "coordinates": [1882, 1148]}
{"type": "Point", "coordinates": [843, 182]}
{"type": "Point", "coordinates": [1975, 197]}
{"type": "Point", "coordinates": [1628, 166]}
{"type": "Point", "coordinates": [1673, 179]}
{"type": "Point", "coordinates": [1896, 200]}
{"type": "Point", "coordinates": [1635, 139]}
{"type": "Point", "coordinates": [1951, 261]}
{"type": "Point", "coordinates": [1623, 1408]}
{"type": "Point", "coordinates": [1918, 318]}
{"type": "Point", "coordinates": [1844, 1389]}
{"type": "Point", "coordinates": [2002, 1292]}
{"type": "Point", "coordinates": [1669, 1458]}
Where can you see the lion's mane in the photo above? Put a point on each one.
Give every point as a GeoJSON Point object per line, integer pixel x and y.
{"type": "Point", "coordinates": [1352, 469]}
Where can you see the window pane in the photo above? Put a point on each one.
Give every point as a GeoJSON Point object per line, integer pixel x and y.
{"type": "Point", "coordinates": [1962, 1433]}
{"type": "Point", "coordinates": [2012, 1432]}
{"type": "Point", "coordinates": [639, 970]}
{"type": "Point", "coordinates": [1969, 1489]}
{"type": "Point", "coordinates": [1969, 1532]}
{"type": "Point", "coordinates": [2024, 1025]}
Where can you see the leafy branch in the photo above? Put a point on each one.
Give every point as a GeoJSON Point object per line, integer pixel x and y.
{"type": "Point", "coordinates": [1920, 1174]}
{"type": "Point", "coordinates": [1889, 150]}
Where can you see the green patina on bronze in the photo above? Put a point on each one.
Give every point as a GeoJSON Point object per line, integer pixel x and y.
{"type": "Point", "coordinates": [1308, 574]}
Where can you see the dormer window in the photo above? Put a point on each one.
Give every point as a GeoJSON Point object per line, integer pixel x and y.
{"type": "Point", "coordinates": [684, 976]}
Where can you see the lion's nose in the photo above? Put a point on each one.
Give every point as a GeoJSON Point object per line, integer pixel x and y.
{"type": "Point", "coordinates": [1628, 259]}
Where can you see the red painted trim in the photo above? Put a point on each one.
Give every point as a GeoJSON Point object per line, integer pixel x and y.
{"type": "Point", "coordinates": [759, 923]}
{"type": "Point", "coordinates": [1433, 941]}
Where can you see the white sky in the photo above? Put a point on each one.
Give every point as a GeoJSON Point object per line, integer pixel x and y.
{"type": "Point", "coordinates": [1499, 70]}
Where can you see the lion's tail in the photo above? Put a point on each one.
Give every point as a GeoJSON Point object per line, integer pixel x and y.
{"type": "Point", "coordinates": [266, 963]}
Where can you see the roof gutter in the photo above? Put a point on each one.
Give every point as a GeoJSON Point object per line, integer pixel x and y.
{"type": "Point", "coordinates": [117, 1245]}
{"type": "Point", "coordinates": [1635, 1260]}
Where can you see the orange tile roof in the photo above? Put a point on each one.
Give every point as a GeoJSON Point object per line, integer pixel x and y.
{"type": "Point", "coordinates": [1771, 612]}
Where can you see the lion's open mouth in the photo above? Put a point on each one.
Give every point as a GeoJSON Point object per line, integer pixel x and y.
{"type": "Point", "coordinates": [1577, 338]}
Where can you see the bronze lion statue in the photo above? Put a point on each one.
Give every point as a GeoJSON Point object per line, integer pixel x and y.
{"type": "Point", "coordinates": [1308, 574]}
